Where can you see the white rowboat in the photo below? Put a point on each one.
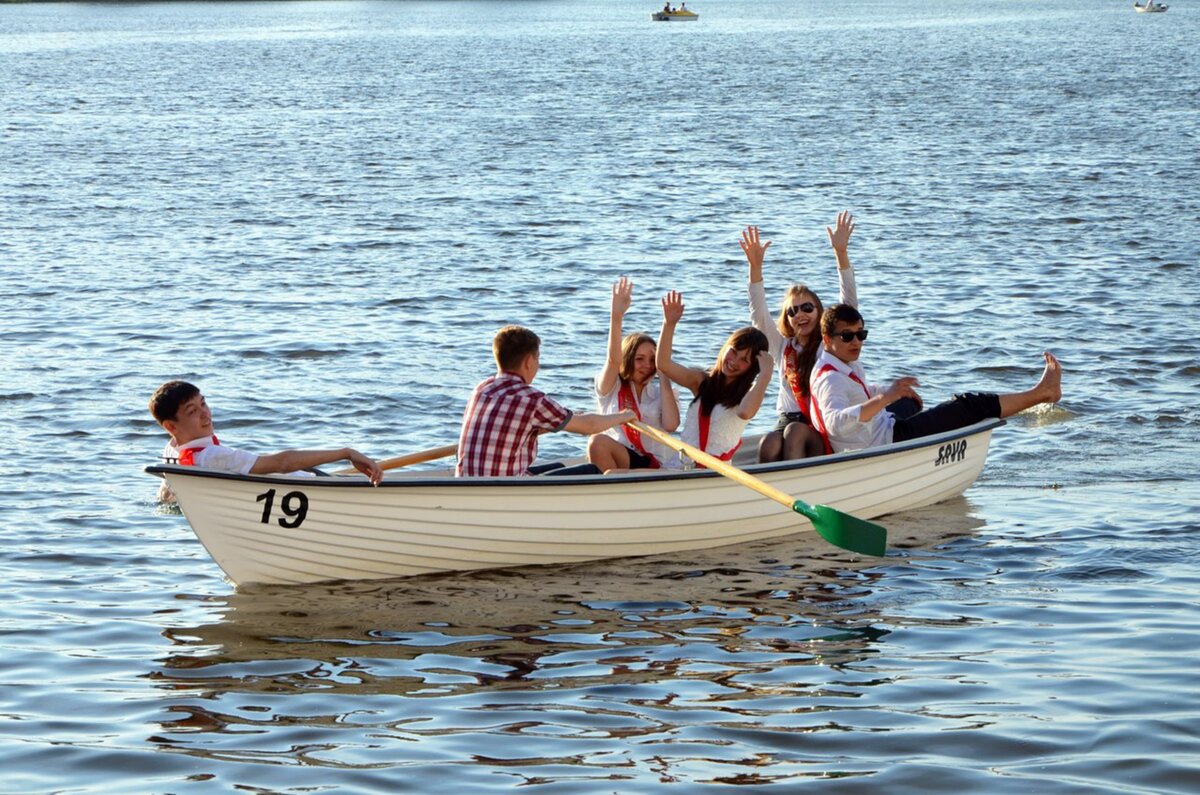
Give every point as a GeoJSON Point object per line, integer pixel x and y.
{"type": "Point", "coordinates": [286, 529]}
{"type": "Point", "coordinates": [1150, 7]}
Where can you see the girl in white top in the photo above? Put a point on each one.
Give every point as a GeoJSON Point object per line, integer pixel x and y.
{"type": "Point", "coordinates": [795, 338]}
{"type": "Point", "coordinates": [627, 382]}
{"type": "Point", "coordinates": [727, 396]}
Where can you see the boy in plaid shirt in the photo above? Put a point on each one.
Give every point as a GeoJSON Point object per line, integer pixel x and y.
{"type": "Point", "coordinates": [506, 414]}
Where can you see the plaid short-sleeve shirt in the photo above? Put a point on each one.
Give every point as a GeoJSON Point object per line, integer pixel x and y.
{"type": "Point", "coordinates": [501, 426]}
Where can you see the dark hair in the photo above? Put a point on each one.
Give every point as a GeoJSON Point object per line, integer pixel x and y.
{"type": "Point", "coordinates": [165, 402]}
{"type": "Point", "coordinates": [838, 312]}
{"type": "Point", "coordinates": [715, 388]}
{"type": "Point", "coordinates": [629, 347]}
{"type": "Point", "coordinates": [512, 344]}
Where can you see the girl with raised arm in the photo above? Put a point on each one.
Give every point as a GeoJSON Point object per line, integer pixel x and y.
{"type": "Point", "coordinates": [727, 396]}
{"type": "Point", "coordinates": [795, 341]}
{"type": "Point", "coordinates": [627, 381]}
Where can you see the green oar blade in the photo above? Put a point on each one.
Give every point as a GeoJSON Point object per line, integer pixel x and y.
{"type": "Point", "coordinates": [845, 531]}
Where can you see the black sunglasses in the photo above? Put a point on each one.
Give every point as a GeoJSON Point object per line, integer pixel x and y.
{"type": "Point", "coordinates": [807, 306]}
{"type": "Point", "coordinates": [846, 336]}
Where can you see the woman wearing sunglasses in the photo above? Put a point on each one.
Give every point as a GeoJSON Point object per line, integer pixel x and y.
{"type": "Point", "coordinates": [795, 340]}
{"type": "Point", "coordinates": [853, 414]}
{"type": "Point", "coordinates": [628, 381]}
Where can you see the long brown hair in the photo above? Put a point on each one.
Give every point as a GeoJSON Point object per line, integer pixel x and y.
{"type": "Point", "coordinates": [629, 347]}
{"type": "Point", "coordinates": [716, 388]}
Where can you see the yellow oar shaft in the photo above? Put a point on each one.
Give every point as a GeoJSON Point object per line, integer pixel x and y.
{"type": "Point", "coordinates": [410, 459]}
{"type": "Point", "coordinates": [716, 464]}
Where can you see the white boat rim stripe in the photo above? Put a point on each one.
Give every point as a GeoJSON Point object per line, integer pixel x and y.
{"type": "Point", "coordinates": [586, 480]}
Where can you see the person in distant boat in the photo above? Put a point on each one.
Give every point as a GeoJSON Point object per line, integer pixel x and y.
{"type": "Point", "coordinates": [727, 396]}
{"type": "Point", "coordinates": [795, 338]}
{"type": "Point", "coordinates": [853, 414]}
{"type": "Point", "coordinates": [506, 414]}
{"type": "Point", "coordinates": [627, 381]}
{"type": "Point", "coordinates": [184, 414]}
{"type": "Point", "coordinates": [666, 8]}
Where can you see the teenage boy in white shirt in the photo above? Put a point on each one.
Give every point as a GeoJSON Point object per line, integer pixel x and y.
{"type": "Point", "coordinates": [183, 413]}
{"type": "Point", "coordinates": [853, 414]}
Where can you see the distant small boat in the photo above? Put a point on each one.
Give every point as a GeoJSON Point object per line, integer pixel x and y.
{"type": "Point", "coordinates": [682, 15]}
{"type": "Point", "coordinates": [1150, 7]}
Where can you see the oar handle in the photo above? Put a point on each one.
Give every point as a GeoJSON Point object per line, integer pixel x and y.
{"type": "Point", "coordinates": [410, 459]}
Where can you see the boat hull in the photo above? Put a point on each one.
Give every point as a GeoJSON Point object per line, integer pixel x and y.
{"type": "Point", "coordinates": [280, 529]}
{"type": "Point", "coordinates": [659, 16]}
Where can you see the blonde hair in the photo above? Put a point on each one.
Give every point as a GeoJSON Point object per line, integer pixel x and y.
{"type": "Point", "coordinates": [784, 323]}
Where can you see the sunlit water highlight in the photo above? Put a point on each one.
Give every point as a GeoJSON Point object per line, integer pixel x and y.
{"type": "Point", "coordinates": [321, 211]}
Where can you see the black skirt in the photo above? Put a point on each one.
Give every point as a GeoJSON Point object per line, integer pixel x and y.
{"type": "Point", "coordinates": [788, 418]}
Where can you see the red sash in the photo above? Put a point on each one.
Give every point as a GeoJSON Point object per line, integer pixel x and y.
{"type": "Point", "coordinates": [625, 400]}
{"type": "Point", "coordinates": [705, 419]}
{"type": "Point", "coordinates": [815, 410]}
{"type": "Point", "coordinates": [791, 372]}
{"type": "Point", "coordinates": [187, 456]}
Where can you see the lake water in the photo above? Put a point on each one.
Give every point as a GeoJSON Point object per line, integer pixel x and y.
{"type": "Point", "coordinates": [321, 212]}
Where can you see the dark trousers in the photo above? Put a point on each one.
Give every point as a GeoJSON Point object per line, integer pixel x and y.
{"type": "Point", "coordinates": [558, 469]}
{"type": "Point", "coordinates": [958, 412]}
{"type": "Point", "coordinates": [903, 408]}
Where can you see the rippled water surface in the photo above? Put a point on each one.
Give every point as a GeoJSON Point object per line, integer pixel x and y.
{"type": "Point", "coordinates": [321, 212]}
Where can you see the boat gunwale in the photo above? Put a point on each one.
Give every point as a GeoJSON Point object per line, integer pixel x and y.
{"type": "Point", "coordinates": [586, 480]}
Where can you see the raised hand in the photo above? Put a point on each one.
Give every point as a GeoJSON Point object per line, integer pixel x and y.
{"type": "Point", "coordinates": [839, 234]}
{"type": "Point", "coordinates": [765, 363]}
{"type": "Point", "coordinates": [902, 388]}
{"type": "Point", "coordinates": [753, 248]}
{"type": "Point", "coordinates": [622, 296]}
{"type": "Point", "coordinates": [672, 305]}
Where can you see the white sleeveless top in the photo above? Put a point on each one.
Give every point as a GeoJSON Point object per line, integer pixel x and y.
{"type": "Point", "coordinates": [725, 429]}
{"type": "Point", "coordinates": [649, 404]}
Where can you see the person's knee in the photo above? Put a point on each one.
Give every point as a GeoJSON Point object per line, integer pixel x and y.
{"type": "Point", "coordinates": [599, 450]}
{"type": "Point", "coordinates": [798, 440]}
{"type": "Point", "coordinates": [904, 408]}
{"type": "Point", "coordinates": [770, 447]}
{"type": "Point", "coordinates": [983, 404]}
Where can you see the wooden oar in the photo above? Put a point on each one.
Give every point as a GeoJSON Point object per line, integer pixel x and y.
{"type": "Point", "coordinates": [838, 528]}
{"type": "Point", "coordinates": [408, 460]}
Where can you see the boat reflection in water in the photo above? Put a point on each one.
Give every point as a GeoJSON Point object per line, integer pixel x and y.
{"type": "Point", "coordinates": [553, 673]}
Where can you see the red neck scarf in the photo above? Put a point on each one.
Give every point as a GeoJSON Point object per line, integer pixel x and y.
{"type": "Point", "coordinates": [791, 372]}
{"type": "Point", "coordinates": [625, 400]}
{"type": "Point", "coordinates": [187, 456]}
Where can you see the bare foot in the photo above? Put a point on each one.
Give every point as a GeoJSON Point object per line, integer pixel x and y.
{"type": "Point", "coordinates": [1049, 389]}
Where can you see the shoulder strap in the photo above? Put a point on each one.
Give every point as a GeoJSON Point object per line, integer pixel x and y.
{"type": "Point", "coordinates": [625, 400]}
{"type": "Point", "coordinates": [814, 411]}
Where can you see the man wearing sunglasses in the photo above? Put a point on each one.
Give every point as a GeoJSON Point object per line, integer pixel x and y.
{"type": "Point", "coordinates": [853, 414]}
